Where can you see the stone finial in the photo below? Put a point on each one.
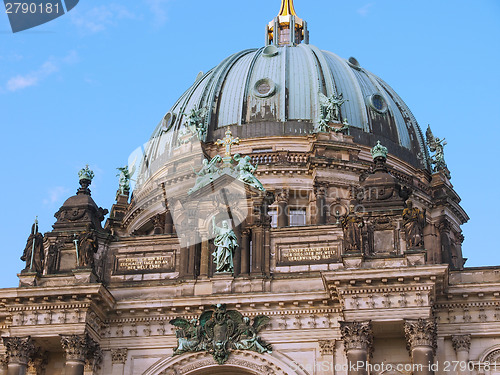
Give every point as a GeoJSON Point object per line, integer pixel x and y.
{"type": "Point", "coordinates": [19, 349]}
{"type": "Point", "coordinates": [461, 342]}
{"type": "Point", "coordinates": [86, 176]}
{"type": "Point", "coordinates": [357, 335]}
{"type": "Point", "coordinates": [421, 332]}
{"type": "Point", "coordinates": [379, 151]}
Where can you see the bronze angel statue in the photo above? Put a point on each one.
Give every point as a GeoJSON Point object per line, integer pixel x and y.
{"type": "Point", "coordinates": [190, 337]}
{"type": "Point", "coordinates": [219, 331]}
{"type": "Point", "coordinates": [125, 175]}
{"type": "Point", "coordinates": [196, 122]}
{"type": "Point", "coordinates": [330, 111]}
{"type": "Point", "coordinates": [436, 145]}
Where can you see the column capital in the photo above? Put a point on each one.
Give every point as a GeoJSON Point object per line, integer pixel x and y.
{"type": "Point", "coordinates": [421, 332]}
{"type": "Point", "coordinates": [19, 349]}
{"type": "Point", "coordinates": [357, 335]}
{"type": "Point", "coordinates": [81, 348]}
{"type": "Point", "coordinates": [119, 356]}
{"type": "Point", "coordinates": [461, 343]}
{"type": "Point", "coordinates": [326, 347]}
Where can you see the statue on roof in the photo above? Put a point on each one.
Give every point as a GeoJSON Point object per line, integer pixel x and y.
{"type": "Point", "coordinates": [436, 145]}
{"type": "Point", "coordinates": [34, 254]}
{"type": "Point", "coordinates": [225, 242]}
{"type": "Point", "coordinates": [207, 173]}
{"type": "Point", "coordinates": [196, 122]}
{"type": "Point", "coordinates": [329, 111]}
{"type": "Point", "coordinates": [246, 172]}
{"type": "Point", "coordinates": [125, 178]}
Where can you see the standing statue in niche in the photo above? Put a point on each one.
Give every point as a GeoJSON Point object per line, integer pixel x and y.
{"type": "Point", "coordinates": [226, 243]}
{"type": "Point", "coordinates": [87, 247]}
{"type": "Point", "coordinates": [246, 171]}
{"type": "Point", "coordinates": [352, 224]}
{"type": "Point", "coordinates": [413, 222]}
{"type": "Point", "coordinates": [33, 253]}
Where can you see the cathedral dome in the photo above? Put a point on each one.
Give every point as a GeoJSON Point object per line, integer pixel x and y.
{"type": "Point", "coordinates": [280, 90]}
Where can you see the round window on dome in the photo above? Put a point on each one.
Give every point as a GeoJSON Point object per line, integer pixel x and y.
{"type": "Point", "coordinates": [168, 121]}
{"type": "Point", "coordinates": [353, 62]}
{"type": "Point", "coordinates": [378, 103]}
{"type": "Point", "coordinates": [264, 88]}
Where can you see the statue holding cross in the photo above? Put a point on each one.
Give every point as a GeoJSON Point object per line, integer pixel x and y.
{"type": "Point", "coordinates": [227, 142]}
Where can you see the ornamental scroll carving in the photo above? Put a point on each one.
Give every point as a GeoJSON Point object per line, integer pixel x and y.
{"type": "Point", "coordinates": [421, 332]}
{"type": "Point", "coordinates": [357, 335]}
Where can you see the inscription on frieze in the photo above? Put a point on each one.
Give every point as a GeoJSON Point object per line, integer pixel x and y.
{"type": "Point", "coordinates": [308, 255]}
{"type": "Point", "coordinates": [145, 264]}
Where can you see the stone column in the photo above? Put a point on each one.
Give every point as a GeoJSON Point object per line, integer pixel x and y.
{"type": "Point", "coordinates": [19, 351]}
{"type": "Point", "coordinates": [320, 193]}
{"type": "Point", "coordinates": [118, 359]}
{"type": "Point", "coordinates": [169, 223]}
{"type": "Point", "coordinates": [4, 361]}
{"type": "Point", "coordinates": [282, 199]}
{"type": "Point", "coordinates": [158, 223]}
{"type": "Point", "coordinates": [358, 341]}
{"type": "Point", "coordinates": [421, 338]}
{"type": "Point", "coordinates": [79, 349]}
{"type": "Point", "coordinates": [205, 256]}
{"type": "Point", "coordinates": [461, 344]}
{"type": "Point", "coordinates": [245, 252]}
{"type": "Point", "coordinates": [327, 350]}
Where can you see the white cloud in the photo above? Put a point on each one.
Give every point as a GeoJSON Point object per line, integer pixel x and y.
{"type": "Point", "coordinates": [158, 8]}
{"type": "Point", "coordinates": [55, 195]}
{"type": "Point", "coordinates": [365, 9]}
{"type": "Point", "coordinates": [100, 17]}
{"type": "Point", "coordinates": [49, 67]}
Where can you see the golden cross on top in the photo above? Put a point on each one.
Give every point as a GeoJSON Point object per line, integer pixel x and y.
{"type": "Point", "coordinates": [228, 141]}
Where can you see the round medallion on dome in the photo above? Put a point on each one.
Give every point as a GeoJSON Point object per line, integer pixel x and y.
{"type": "Point", "coordinates": [264, 88]}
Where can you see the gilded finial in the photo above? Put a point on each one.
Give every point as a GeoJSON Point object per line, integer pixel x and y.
{"type": "Point", "coordinates": [287, 8]}
{"type": "Point", "coordinates": [227, 142]}
{"type": "Point", "coordinates": [287, 29]}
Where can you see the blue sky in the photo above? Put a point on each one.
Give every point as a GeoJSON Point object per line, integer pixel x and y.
{"type": "Point", "coordinates": [90, 86]}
